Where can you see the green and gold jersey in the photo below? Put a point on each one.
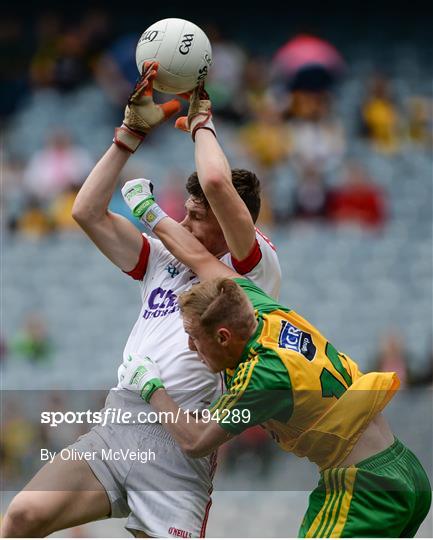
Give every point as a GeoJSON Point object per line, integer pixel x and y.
{"type": "Point", "coordinates": [312, 399]}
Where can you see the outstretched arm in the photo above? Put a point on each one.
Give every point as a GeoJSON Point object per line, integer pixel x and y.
{"type": "Point", "coordinates": [114, 235]}
{"type": "Point", "coordinates": [215, 177]}
{"type": "Point", "coordinates": [197, 434]}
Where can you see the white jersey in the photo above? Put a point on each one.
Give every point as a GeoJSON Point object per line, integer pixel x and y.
{"type": "Point", "coordinates": [159, 333]}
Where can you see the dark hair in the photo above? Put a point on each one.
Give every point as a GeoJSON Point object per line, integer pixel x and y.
{"type": "Point", "coordinates": [245, 182]}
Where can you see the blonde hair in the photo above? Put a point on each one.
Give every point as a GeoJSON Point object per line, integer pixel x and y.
{"type": "Point", "coordinates": [219, 301]}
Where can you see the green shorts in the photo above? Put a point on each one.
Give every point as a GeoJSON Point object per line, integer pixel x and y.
{"type": "Point", "coordinates": [387, 495]}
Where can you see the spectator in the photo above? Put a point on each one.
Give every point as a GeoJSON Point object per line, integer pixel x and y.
{"type": "Point", "coordinates": [14, 197]}
{"type": "Point", "coordinates": [392, 356]}
{"type": "Point", "coordinates": [420, 120]}
{"type": "Point", "coordinates": [20, 438]}
{"type": "Point", "coordinates": [380, 117]}
{"type": "Point", "coordinates": [57, 167]}
{"type": "Point", "coordinates": [94, 31]}
{"type": "Point", "coordinates": [357, 200]}
{"type": "Point", "coordinates": [316, 139]}
{"type": "Point", "coordinates": [60, 60]}
{"type": "Point", "coordinates": [33, 221]}
{"type": "Point", "coordinates": [265, 137]}
{"type": "Point", "coordinates": [32, 342]}
{"type": "Point", "coordinates": [256, 80]}
{"type": "Point", "coordinates": [224, 83]}
{"type": "Point", "coordinates": [60, 211]}
{"type": "Point", "coordinates": [116, 71]}
{"type": "Point", "coordinates": [70, 68]}
{"type": "Point", "coordinates": [425, 376]}
{"type": "Point", "coordinates": [308, 63]}
{"type": "Point", "coordinates": [48, 32]}
{"type": "Point", "coordinates": [310, 196]}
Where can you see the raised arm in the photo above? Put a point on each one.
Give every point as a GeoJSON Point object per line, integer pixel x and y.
{"type": "Point", "coordinates": [215, 177]}
{"type": "Point", "coordinates": [113, 234]}
{"type": "Point", "coordinates": [187, 249]}
{"type": "Point", "coordinates": [177, 239]}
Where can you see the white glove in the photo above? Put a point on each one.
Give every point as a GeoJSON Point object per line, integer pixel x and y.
{"type": "Point", "coordinates": [138, 196]}
{"type": "Point", "coordinates": [140, 375]}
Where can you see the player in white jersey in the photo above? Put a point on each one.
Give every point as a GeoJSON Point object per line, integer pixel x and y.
{"type": "Point", "coordinates": [171, 495]}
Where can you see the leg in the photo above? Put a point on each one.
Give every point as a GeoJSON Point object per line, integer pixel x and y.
{"type": "Point", "coordinates": [170, 494]}
{"type": "Point", "coordinates": [350, 503]}
{"type": "Point", "coordinates": [62, 494]}
{"type": "Point", "coordinates": [423, 499]}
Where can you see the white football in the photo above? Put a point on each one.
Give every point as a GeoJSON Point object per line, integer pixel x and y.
{"type": "Point", "coordinates": [183, 51]}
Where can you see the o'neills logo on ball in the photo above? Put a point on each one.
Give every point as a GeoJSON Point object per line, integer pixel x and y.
{"type": "Point", "coordinates": [149, 35]}
{"type": "Point", "coordinates": [179, 533]}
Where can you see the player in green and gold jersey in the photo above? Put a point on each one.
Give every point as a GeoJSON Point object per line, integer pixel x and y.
{"type": "Point", "coordinates": [282, 373]}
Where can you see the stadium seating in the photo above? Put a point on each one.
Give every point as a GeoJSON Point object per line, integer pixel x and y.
{"type": "Point", "coordinates": [354, 285]}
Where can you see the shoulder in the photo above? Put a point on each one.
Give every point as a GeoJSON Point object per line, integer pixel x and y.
{"type": "Point", "coordinates": [154, 258]}
{"type": "Point", "coordinates": [260, 299]}
{"type": "Point", "coordinates": [261, 264]}
{"type": "Point", "coordinates": [263, 370]}
{"type": "Point", "coordinates": [264, 240]}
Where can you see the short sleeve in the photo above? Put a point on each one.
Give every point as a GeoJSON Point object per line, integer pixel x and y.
{"type": "Point", "coordinates": [261, 265]}
{"type": "Point", "coordinates": [140, 268]}
{"type": "Point", "coordinates": [260, 390]}
{"type": "Point", "coordinates": [152, 251]}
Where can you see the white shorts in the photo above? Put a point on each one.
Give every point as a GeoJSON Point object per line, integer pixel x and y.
{"type": "Point", "coordinates": [167, 495]}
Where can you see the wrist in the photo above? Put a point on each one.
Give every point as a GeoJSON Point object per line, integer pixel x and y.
{"type": "Point", "coordinates": [158, 392]}
{"type": "Point", "coordinates": [150, 388]}
{"type": "Point", "coordinates": [152, 215]}
{"type": "Point", "coordinates": [127, 138]}
{"type": "Point", "coordinates": [201, 122]}
{"type": "Point", "coordinates": [143, 206]}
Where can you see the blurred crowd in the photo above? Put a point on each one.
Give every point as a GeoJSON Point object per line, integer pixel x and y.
{"type": "Point", "coordinates": [281, 111]}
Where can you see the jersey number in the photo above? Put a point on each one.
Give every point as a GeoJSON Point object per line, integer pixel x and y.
{"type": "Point", "coordinates": [331, 386]}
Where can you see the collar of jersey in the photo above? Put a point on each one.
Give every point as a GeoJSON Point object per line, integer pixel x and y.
{"type": "Point", "coordinates": [253, 339]}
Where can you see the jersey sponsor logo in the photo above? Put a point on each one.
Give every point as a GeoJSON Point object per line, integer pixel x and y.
{"type": "Point", "coordinates": [179, 533]}
{"type": "Point", "coordinates": [296, 340]}
{"type": "Point", "coordinates": [161, 302]}
{"type": "Point", "coordinates": [172, 270]}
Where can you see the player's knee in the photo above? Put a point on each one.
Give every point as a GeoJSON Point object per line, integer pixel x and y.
{"type": "Point", "coordinates": [24, 517]}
